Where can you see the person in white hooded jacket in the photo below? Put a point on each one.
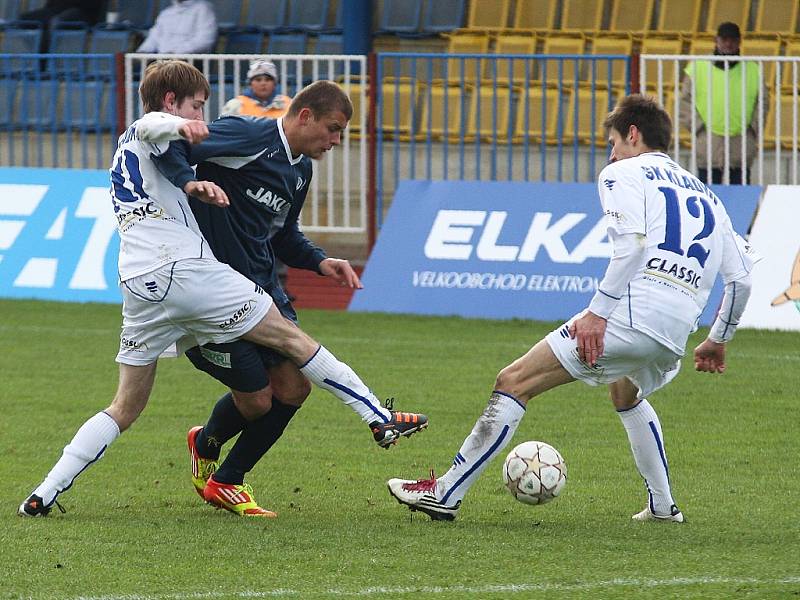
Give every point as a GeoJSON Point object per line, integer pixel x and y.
{"type": "Point", "coordinates": [185, 27]}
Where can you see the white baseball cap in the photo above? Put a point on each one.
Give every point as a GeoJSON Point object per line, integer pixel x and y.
{"type": "Point", "coordinates": [261, 66]}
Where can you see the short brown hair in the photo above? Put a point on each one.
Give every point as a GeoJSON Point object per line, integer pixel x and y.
{"type": "Point", "coordinates": [647, 114]}
{"type": "Point", "coordinates": [322, 98]}
{"type": "Point", "coordinates": [164, 76]}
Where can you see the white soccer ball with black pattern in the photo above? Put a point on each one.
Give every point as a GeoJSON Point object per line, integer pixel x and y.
{"type": "Point", "coordinates": [534, 472]}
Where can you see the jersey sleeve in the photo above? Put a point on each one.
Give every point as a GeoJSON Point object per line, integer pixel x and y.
{"type": "Point", "coordinates": [622, 196]}
{"type": "Point", "coordinates": [232, 137]}
{"type": "Point", "coordinates": [231, 140]}
{"type": "Point", "coordinates": [156, 130]}
{"type": "Point", "coordinates": [738, 256]}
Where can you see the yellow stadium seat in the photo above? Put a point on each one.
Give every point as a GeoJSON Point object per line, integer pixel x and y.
{"type": "Point", "coordinates": [763, 47]}
{"type": "Point", "coordinates": [777, 16]}
{"type": "Point", "coordinates": [398, 102]}
{"type": "Point", "coordinates": [788, 68]}
{"type": "Point", "coordinates": [537, 115]}
{"type": "Point", "coordinates": [616, 76]}
{"type": "Point", "coordinates": [488, 15]}
{"type": "Point", "coordinates": [354, 90]}
{"type": "Point", "coordinates": [581, 15]}
{"type": "Point", "coordinates": [720, 11]}
{"type": "Point", "coordinates": [465, 43]}
{"type": "Point", "coordinates": [514, 44]}
{"type": "Point", "coordinates": [631, 16]}
{"type": "Point", "coordinates": [789, 127]}
{"type": "Point", "coordinates": [539, 15]}
{"type": "Point", "coordinates": [658, 45]}
{"type": "Point", "coordinates": [435, 101]}
{"type": "Point", "coordinates": [591, 105]}
{"type": "Point", "coordinates": [668, 102]}
{"type": "Point", "coordinates": [701, 45]}
{"type": "Point", "coordinates": [570, 68]}
{"type": "Point", "coordinates": [681, 16]}
{"type": "Point", "coordinates": [489, 113]}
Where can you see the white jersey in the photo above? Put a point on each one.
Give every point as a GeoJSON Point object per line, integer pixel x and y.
{"type": "Point", "coordinates": [155, 224]}
{"type": "Point", "coordinates": [688, 240]}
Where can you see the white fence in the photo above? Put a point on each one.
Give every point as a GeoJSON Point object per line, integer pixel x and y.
{"type": "Point", "coordinates": [337, 200]}
{"type": "Point", "coordinates": [777, 142]}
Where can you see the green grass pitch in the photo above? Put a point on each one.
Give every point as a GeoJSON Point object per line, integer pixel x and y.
{"type": "Point", "coordinates": [135, 529]}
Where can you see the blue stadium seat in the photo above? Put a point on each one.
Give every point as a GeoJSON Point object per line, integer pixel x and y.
{"type": "Point", "coordinates": [105, 40]}
{"type": "Point", "coordinates": [443, 15]}
{"type": "Point", "coordinates": [136, 14]}
{"type": "Point", "coordinates": [309, 15]}
{"type": "Point", "coordinates": [329, 43]}
{"type": "Point", "coordinates": [8, 95]}
{"type": "Point", "coordinates": [38, 104]}
{"type": "Point", "coordinates": [400, 16]}
{"type": "Point", "coordinates": [68, 38]}
{"type": "Point", "coordinates": [267, 15]}
{"type": "Point", "coordinates": [243, 42]}
{"type": "Point", "coordinates": [239, 42]}
{"type": "Point", "coordinates": [213, 105]}
{"type": "Point", "coordinates": [86, 105]}
{"type": "Point", "coordinates": [228, 13]}
{"type": "Point", "coordinates": [287, 43]}
{"type": "Point", "coordinates": [20, 41]}
{"type": "Point", "coordinates": [9, 10]}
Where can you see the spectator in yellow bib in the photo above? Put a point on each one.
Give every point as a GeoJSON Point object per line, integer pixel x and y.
{"type": "Point", "coordinates": [261, 99]}
{"type": "Point", "coordinates": [718, 115]}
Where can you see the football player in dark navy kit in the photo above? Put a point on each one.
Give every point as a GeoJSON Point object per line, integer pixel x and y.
{"type": "Point", "coordinates": [265, 168]}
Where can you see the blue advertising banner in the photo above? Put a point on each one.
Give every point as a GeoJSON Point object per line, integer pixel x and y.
{"type": "Point", "coordinates": [58, 236]}
{"type": "Point", "coordinates": [500, 249]}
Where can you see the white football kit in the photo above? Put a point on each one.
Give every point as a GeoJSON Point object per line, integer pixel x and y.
{"type": "Point", "coordinates": [172, 286]}
{"type": "Point", "coordinates": [686, 239]}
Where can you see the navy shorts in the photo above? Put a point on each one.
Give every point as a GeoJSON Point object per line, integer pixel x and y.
{"type": "Point", "coordinates": [240, 365]}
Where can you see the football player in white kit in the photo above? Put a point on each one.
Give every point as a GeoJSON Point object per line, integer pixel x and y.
{"type": "Point", "coordinates": [173, 288]}
{"type": "Point", "coordinates": [670, 236]}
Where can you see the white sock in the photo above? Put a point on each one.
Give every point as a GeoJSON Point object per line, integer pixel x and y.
{"type": "Point", "coordinates": [331, 374]}
{"type": "Point", "coordinates": [88, 445]}
{"type": "Point", "coordinates": [491, 433]}
{"type": "Point", "coordinates": [647, 443]}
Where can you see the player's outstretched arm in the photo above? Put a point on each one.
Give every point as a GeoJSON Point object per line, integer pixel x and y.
{"type": "Point", "coordinates": [710, 357]}
{"type": "Point", "coordinates": [342, 271]}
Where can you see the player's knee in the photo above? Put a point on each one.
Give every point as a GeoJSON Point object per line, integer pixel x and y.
{"type": "Point", "coordinates": [507, 381]}
{"type": "Point", "coordinates": [253, 404]}
{"type": "Point", "coordinates": [295, 394]}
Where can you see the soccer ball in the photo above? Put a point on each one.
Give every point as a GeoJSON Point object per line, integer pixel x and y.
{"type": "Point", "coordinates": [534, 472]}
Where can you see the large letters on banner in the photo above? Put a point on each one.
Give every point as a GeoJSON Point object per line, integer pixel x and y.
{"type": "Point", "coordinates": [500, 249]}
{"type": "Point", "coordinates": [57, 235]}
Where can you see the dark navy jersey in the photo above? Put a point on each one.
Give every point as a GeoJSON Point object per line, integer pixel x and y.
{"type": "Point", "coordinates": [251, 160]}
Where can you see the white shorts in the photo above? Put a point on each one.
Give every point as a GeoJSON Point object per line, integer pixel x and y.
{"type": "Point", "coordinates": [627, 353]}
{"type": "Point", "coordinates": [201, 300]}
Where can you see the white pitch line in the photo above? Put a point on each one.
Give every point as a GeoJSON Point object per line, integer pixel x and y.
{"type": "Point", "coordinates": [461, 589]}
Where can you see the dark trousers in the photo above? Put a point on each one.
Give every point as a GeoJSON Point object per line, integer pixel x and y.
{"type": "Point", "coordinates": [735, 174]}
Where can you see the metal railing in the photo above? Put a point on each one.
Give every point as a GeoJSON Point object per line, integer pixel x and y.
{"type": "Point", "coordinates": [337, 200]}
{"type": "Point", "coordinates": [769, 140]}
{"type": "Point", "coordinates": [493, 116]}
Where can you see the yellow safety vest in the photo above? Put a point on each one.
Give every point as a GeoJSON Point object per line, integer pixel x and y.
{"type": "Point", "coordinates": [277, 108]}
{"type": "Point", "coordinates": [699, 70]}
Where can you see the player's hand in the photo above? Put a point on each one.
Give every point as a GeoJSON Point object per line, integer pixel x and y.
{"type": "Point", "coordinates": [589, 331]}
{"type": "Point", "coordinates": [710, 357]}
{"type": "Point", "coordinates": [341, 271]}
{"type": "Point", "coordinates": [208, 192]}
{"type": "Point", "coordinates": [194, 131]}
